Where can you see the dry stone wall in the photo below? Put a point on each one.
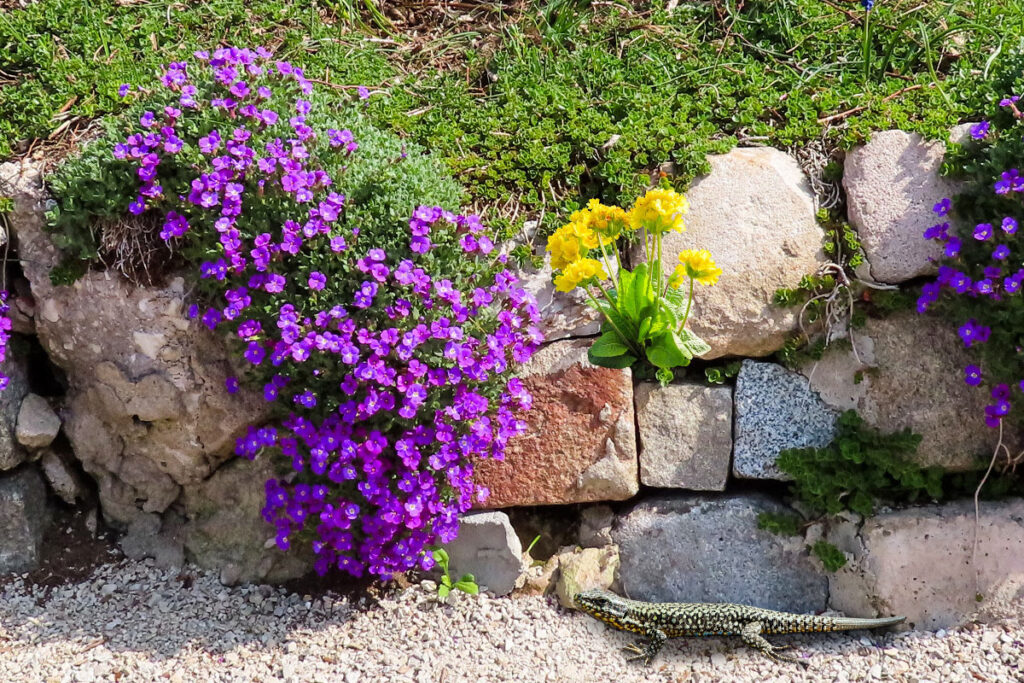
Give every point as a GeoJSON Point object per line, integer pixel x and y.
{"type": "Point", "coordinates": [145, 420]}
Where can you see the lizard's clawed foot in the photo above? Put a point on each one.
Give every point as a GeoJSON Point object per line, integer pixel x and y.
{"type": "Point", "coordinates": [638, 653]}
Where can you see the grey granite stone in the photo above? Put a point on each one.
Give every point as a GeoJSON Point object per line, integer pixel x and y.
{"type": "Point", "coordinates": [775, 410]}
{"type": "Point", "coordinates": [23, 519]}
{"type": "Point", "coordinates": [707, 548]}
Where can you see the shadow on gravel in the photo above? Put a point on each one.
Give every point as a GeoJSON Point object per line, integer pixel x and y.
{"type": "Point", "coordinates": [87, 592]}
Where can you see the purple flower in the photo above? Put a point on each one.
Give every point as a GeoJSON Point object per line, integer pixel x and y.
{"type": "Point", "coordinates": [231, 384]}
{"type": "Point", "coordinates": [317, 280]}
{"type": "Point", "coordinates": [972, 333]}
{"type": "Point", "coordinates": [980, 130]}
{"type": "Point", "coordinates": [124, 90]}
{"type": "Point", "coordinates": [960, 283]}
{"type": "Point", "coordinates": [953, 247]}
{"type": "Point", "coordinates": [972, 375]}
{"type": "Point", "coordinates": [1009, 225]}
{"type": "Point", "coordinates": [942, 207]}
{"type": "Point", "coordinates": [1000, 252]}
{"type": "Point", "coordinates": [982, 231]}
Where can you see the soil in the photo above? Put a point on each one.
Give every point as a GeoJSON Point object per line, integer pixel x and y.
{"type": "Point", "coordinates": [71, 551]}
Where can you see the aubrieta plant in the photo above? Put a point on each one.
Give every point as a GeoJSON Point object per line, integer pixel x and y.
{"type": "Point", "coordinates": [645, 312]}
{"type": "Point", "coordinates": [5, 335]}
{"type": "Point", "coordinates": [982, 269]}
{"type": "Point", "coordinates": [386, 344]}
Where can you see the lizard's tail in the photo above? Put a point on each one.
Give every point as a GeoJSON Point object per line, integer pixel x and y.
{"type": "Point", "coordinates": [851, 624]}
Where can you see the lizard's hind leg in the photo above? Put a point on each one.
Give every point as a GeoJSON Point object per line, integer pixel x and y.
{"type": "Point", "coordinates": [751, 635]}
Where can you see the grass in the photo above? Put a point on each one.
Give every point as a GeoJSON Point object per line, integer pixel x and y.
{"type": "Point", "coordinates": [566, 99]}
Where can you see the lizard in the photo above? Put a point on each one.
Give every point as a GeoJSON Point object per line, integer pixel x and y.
{"type": "Point", "coordinates": [661, 621]}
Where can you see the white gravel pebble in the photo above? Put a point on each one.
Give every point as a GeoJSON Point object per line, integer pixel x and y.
{"type": "Point", "coordinates": [133, 622]}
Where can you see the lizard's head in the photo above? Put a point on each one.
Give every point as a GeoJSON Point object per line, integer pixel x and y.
{"type": "Point", "coordinates": [602, 604]}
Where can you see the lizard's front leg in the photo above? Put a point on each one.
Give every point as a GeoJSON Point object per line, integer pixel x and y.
{"type": "Point", "coordinates": [751, 634]}
{"type": "Point", "coordinates": [656, 640]}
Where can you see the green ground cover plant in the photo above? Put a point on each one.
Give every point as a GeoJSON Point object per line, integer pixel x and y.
{"type": "Point", "coordinates": [569, 99]}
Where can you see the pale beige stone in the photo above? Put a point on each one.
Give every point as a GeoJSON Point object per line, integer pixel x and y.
{"type": "Point", "coordinates": [755, 213]}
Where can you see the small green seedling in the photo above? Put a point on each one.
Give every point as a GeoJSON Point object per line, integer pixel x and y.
{"type": "Point", "coordinates": [466, 584]}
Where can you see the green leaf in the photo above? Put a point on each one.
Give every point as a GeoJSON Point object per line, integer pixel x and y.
{"type": "Point", "coordinates": [443, 591]}
{"type": "Point", "coordinates": [608, 345]}
{"type": "Point", "coordinates": [467, 585]}
{"type": "Point", "coordinates": [691, 343]}
{"type": "Point", "coordinates": [645, 328]}
{"type": "Point", "coordinates": [441, 557]}
{"type": "Point", "coordinates": [614, 362]}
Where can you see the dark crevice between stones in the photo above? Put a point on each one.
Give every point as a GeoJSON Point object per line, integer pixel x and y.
{"type": "Point", "coordinates": [776, 490]}
{"type": "Point", "coordinates": [556, 526]}
{"type": "Point", "coordinates": [44, 377]}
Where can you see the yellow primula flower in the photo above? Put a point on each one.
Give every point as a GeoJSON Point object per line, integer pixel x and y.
{"type": "Point", "coordinates": [678, 277]}
{"type": "Point", "coordinates": [606, 221]}
{"type": "Point", "coordinates": [659, 211]}
{"type": "Point", "coordinates": [565, 247]}
{"type": "Point", "coordinates": [698, 264]}
{"type": "Point", "coordinates": [577, 272]}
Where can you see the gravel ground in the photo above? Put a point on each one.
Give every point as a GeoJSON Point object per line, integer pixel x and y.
{"type": "Point", "coordinates": [130, 621]}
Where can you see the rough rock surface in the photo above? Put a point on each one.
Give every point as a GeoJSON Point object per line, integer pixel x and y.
{"type": "Point", "coordinates": [755, 213]}
{"type": "Point", "coordinates": [706, 548]}
{"type": "Point", "coordinates": [685, 435]}
{"type": "Point", "coordinates": [487, 547]}
{"type": "Point", "coordinates": [150, 536]}
{"type": "Point", "coordinates": [596, 526]}
{"type": "Point", "coordinates": [147, 411]}
{"type": "Point", "coordinates": [910, 376]}
{"type": "Point", "coordinates": [580, 443]}
{"type": "Point", "coordinates": [563, 314]}
{"type": "Point", "coordinates": [23, 519]}
{"type": "Point", "coordinates": [920, 563]}
{"type": "Point", "coordinates": [775, 410]}
{"type": "Point", "coordinates": [12, 453]}
{"type": "Point", "coordinates": [225, 530]}
{"type": "Point", "coordinates": [891, 184]}
{"type": "Point", "coordinates": [61, 476]}
{"type": "Point", "coordinates": [37, 425]}
{"type": "Point", "coordinates": [581, 569]}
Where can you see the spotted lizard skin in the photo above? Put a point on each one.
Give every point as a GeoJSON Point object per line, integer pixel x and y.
{"type": "Point", "coordinates": [661, 621]}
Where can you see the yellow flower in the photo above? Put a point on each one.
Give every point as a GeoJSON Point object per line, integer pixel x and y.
{"type": "Point", "coordinates": [678, 276]}
{"type": "Point", "coordinates": [698, 264]}
{"type": "Point", "coordinates": [659, 211]}
{"type": "Point", "coordinates": [581, 271]}
{"type": "Point", "coordinates": [606, 221]}
{"type": "Point", "coordinates": [565, 247]}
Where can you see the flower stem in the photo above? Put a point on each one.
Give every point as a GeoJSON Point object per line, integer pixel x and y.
{"type": "Point", "coordinates": [866, 51]}
{"type": "Point", "coordinates": [689, 302]}
{"type": "Point", "coordinates": [607, 264]}
{"type": "Point", "coordinates": [622, 336]}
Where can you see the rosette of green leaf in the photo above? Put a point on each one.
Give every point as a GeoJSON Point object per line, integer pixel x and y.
{"type": "Point", "coordinates": [640, 322]}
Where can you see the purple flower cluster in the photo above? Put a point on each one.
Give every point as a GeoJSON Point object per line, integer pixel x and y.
{"type": "Point", "coordinates": [996, 279]}
{"type": "Point", "coordinates": [5, 335]}
{"type": "Point", "coordinates": [428, 376]}
{"type": "Point", "coordinates": [391, 378]}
